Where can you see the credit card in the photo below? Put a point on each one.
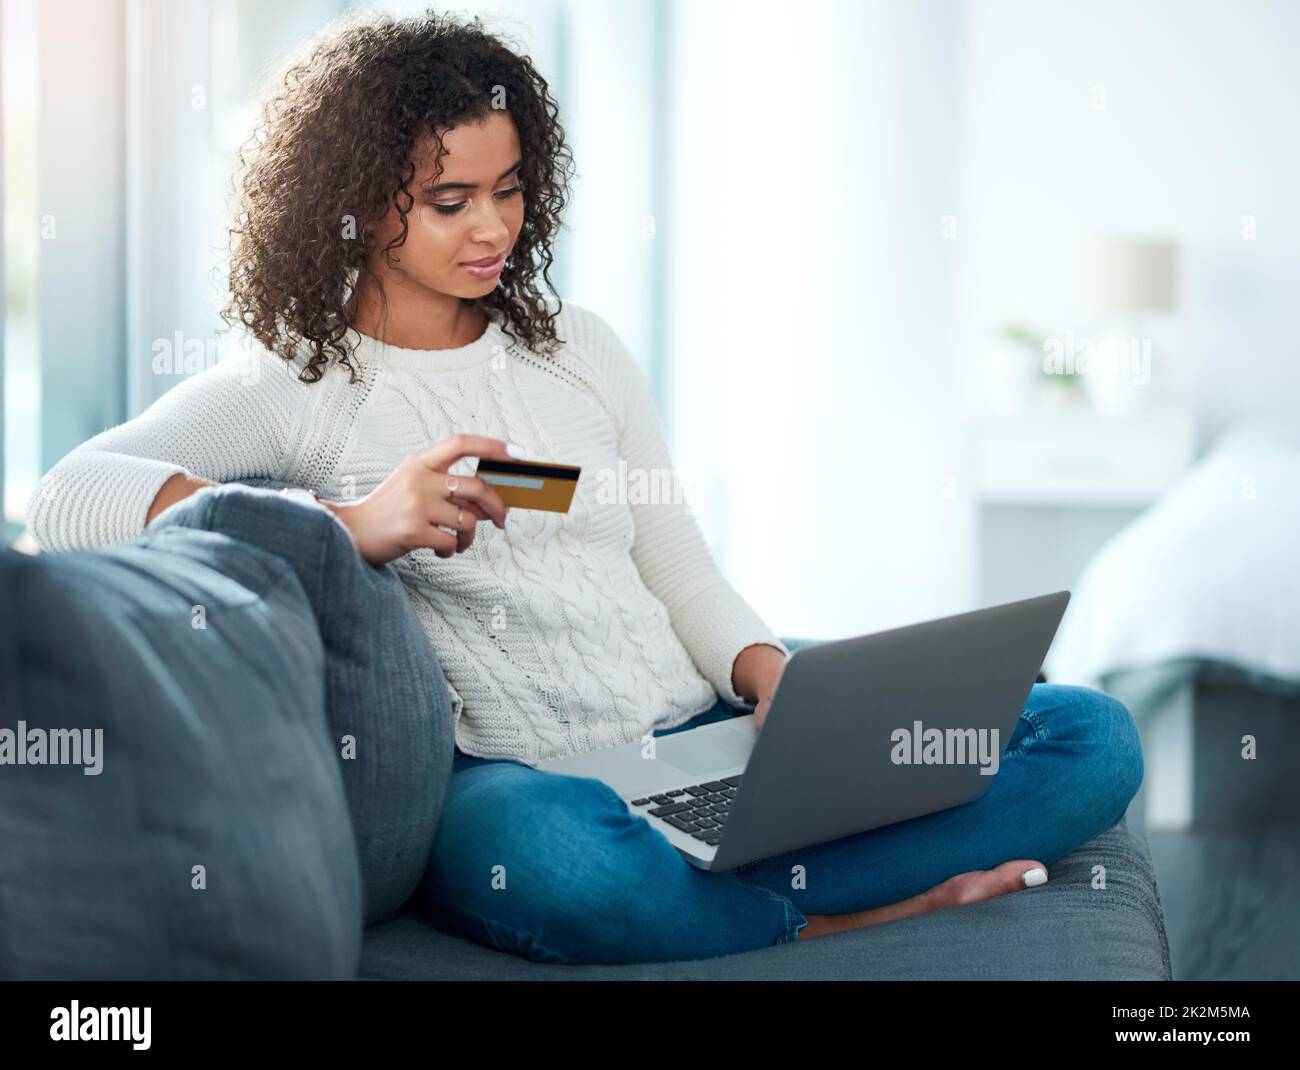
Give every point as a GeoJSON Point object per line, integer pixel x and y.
{"type": "Point", "coordinates": [531, 484]}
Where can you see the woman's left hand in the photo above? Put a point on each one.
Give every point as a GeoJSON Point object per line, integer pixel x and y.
{"type": "Point", "coordinates": [760, 711]}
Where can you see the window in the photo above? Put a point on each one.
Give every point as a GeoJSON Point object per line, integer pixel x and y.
{"type": "Point", "coordinates": [21, 387]}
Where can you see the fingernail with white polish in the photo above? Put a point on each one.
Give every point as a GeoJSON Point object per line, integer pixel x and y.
{"type": "Point", "coordinates": [1034, 877]}
{"type": "Point", "coordinates": [516, 451]}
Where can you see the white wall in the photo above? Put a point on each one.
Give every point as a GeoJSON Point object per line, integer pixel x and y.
{"type": "Point", "coordinates": [818, 411]}
{"type": "Point", "coordinates": [1196, 131]}
{"type": "Point", "coordinates": [812, 367]}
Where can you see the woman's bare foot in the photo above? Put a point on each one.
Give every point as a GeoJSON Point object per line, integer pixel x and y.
{"type": "Point", "coordinates": [954, 892]}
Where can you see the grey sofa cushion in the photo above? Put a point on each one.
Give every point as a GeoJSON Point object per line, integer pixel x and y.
{"type": "Point", "coordinates": [1064, 929]}
{"type": "Point", "coordinates": [384, 687]}
{"type": "Point", "coordinates": [214, 753]}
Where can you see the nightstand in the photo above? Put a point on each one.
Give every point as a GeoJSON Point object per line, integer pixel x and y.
{"type": "Point", "coordinates": [1051, 485]}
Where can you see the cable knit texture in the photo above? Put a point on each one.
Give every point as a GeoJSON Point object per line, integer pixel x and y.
{"type": "Point", "coordinates": [562, 634]}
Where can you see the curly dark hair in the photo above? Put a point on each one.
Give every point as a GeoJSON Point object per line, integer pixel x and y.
{"type": "Point", "coordinates": [335, 139]}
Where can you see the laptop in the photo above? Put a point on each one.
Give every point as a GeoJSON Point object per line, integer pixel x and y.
{"type": "Point", "coordinates": [861, 733]}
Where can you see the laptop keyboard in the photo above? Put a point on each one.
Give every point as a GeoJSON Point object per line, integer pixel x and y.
{"type": "Point", "coordinates": [700, 810]}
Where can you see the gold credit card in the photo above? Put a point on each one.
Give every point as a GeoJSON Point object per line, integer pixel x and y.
{"type": "Point", "coordinates": [531, 484]}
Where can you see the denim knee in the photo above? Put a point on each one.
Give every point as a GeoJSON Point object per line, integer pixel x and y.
{"type": "Point", "coordinates": [532, 870]}
{"type": "Point", "coordinates": [1113, 753]}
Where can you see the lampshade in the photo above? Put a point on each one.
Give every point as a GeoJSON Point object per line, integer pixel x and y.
{"type": "Point", "coordinates": [1130, 276]}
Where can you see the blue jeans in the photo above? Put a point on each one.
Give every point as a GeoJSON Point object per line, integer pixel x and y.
{"type": "Point", "coordinates": [558, 869]}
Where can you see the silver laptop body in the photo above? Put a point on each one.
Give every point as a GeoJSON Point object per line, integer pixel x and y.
{"type": "Point", "coordinates": [848, 744]}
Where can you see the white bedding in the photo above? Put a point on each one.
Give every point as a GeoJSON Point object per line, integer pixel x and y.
{"type": "Point", "coordinates": [1211, 571]}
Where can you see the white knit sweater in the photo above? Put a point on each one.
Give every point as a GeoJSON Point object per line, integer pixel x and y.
{"type": "Point", "coordinates": [561, 634]}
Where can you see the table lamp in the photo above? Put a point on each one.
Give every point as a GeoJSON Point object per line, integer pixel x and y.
{"type": "Point", "coordinates": [1127, 282]}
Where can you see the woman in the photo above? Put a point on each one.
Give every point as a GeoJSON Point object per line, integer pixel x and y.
{"type": "Point", "coordinates": [399, 207]}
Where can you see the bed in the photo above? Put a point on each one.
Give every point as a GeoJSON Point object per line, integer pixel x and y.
{"type": "Point", "coordinates": [1191, 617]}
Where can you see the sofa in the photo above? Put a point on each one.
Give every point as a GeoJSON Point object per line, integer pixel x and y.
{"type": "Point", "coordinates": [235, 741]}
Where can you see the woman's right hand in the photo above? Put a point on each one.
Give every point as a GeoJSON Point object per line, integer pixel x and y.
{"type": "Point", "coordinates": [404, 512]}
